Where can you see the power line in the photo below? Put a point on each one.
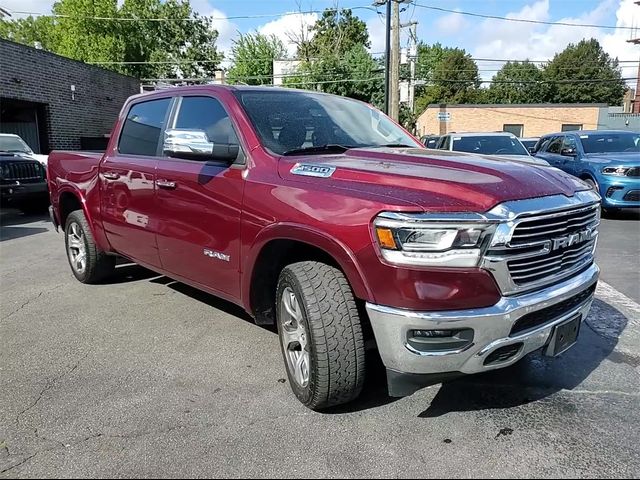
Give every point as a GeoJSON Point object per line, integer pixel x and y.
{"type": "Point", "coordinates": [188, 19]}
{"type": "Point", "coordinates": [522, 20]}
{"type": "Point", "coordinates": [312, 11]}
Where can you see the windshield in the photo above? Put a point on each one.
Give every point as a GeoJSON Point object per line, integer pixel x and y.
{"type": "Point", "coordinates": [288, 121]}
{"type": "Point", "coordinates": [489, 145]}
{"type": "Point", "coordinates": [13, 144]}
{"type": "Point", "coordinates": [611, 142]}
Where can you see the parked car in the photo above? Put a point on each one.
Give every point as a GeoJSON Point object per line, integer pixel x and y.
{"type": "Point", "coordinates": [529, 143]}
{"type": "Point", "coordinates": [609, 161]}
{"type": "Point", "coordinates": [430, 141]}
{"type": "Point", "coordinates": [23, 183]}
{"type": "Point", "coordinates": [10, 143]}
{"type": "Point", "coordinates": [320, 215]}
{"type": "Point", "coordinates": [502, 144]}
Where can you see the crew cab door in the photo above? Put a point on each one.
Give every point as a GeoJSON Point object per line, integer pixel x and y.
{"type": "Point", "coordinates": [127, 182]}
{"type": "Point", "coordinates": [199, 202]}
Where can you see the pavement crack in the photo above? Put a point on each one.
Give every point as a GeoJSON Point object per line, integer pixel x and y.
{"type": "Point", "coordinates": [32, 299]}
{"type": "Point", "coordinates": [22, 462]}
{"type": "Point", "coordinates": [48, 387]}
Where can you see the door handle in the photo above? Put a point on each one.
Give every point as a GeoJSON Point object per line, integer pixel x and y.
{"type": "Point", "coordinates": [168, 184]}
{"type": "Point", "coordinates": [111, 175]}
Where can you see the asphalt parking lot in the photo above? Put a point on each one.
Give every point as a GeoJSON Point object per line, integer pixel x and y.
{"type": "Point", "coordinates": [143, 376]}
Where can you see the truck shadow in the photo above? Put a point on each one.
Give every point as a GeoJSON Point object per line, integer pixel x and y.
{"type": "Point", "coordinates": [532, 379]}
{"type": "Point", "coordinates": [536, 376]}
{"type": "Point", "coordinates": [14, 224]}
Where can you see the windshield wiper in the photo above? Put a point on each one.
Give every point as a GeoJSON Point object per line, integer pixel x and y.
{"type": "Point", "coordinates": [392, 145]}
{"type": "Point", "coordinates": [329, 148]}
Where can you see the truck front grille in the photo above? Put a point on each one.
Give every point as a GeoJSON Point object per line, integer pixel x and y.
{"type": "Point", "coordinates": [23, 172]}
{"type": "Point", "coordinates": [540, 249]}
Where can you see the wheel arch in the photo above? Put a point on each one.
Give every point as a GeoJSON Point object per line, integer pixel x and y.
{"type": "Point", "coordinates": [283, 244]}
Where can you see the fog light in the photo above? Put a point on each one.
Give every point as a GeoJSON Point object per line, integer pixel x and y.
{"type": "Point", "coordinates": [433, 333]}
{"type": "Point", "coordinates": [426, 341]}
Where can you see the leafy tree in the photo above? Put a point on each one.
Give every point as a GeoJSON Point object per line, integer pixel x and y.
{"type": "Point", "coordinates": [29, 31]}
{"type": "Point", "coordinates": [253, 56]}
{"type": "Point", "coordinates": [354, 74]}
{"type": "Point", "coordinates": [450, 76]}
{"type": "Point", "coordinates": [335, 33]}
{"type": "Point", "coordinates": [181, 43]}
{"type": "Point", "coordinates": [336, 59]}
{"type": "Point", "coordinates": [518, 82]}
{"type": "Point", "coordinates": [584, 72]}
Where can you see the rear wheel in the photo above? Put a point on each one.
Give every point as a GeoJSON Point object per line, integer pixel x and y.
{"type": "Point", "coordinates": [320, 335]}
{"type": "Point", "coordinates": [88, 263]}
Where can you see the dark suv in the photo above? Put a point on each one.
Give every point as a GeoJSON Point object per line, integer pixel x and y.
{"type": "Point", "coordinates": [23, 183]}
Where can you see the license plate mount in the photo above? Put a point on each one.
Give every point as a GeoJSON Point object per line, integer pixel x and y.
{"type": "Point", "coordinates": [564, 336]}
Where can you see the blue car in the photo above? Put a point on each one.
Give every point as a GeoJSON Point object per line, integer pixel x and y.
{"type": "Point", "coordinates": [607, 160]}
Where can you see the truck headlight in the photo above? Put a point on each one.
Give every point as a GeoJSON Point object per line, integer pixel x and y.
{"type": "Point", "coordinates": [616, 171]}
{"type": "Point", "coordinates": [406, 239]}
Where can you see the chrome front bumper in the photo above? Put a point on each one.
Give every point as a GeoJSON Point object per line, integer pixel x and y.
{"type": "Point", "coordinates": [491, 327]}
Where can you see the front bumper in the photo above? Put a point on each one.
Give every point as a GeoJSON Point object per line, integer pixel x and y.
{"type": "Point", "coordinates": [620, 192]}
{"type": "Point", "coordinates": [16, 193]}
{"type": "Point", "coordinates": [492, 329]}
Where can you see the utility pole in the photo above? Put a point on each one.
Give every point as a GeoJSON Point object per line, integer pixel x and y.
{"type": "Point", "coordinates": [412, 56]}
{"type": "Point", "coordinates": [387, 50]}
{"type": "Point", "coordinates": [394, 95]}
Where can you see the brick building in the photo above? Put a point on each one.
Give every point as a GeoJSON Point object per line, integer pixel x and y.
{"type": "Point", "coordinates": [524, 120]}
{"type": "Point", "coordinates": [54, 102]}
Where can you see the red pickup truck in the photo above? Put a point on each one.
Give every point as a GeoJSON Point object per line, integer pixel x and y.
{"type": "Point", "coordinates": [322, 216]}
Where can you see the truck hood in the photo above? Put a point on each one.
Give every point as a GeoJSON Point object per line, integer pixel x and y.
{"type": "Point", "coordinates": [619, 158]}
{"type": "Point", "coordinates": [446, 181]}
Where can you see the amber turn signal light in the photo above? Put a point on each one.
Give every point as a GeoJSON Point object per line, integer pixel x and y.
{"type": "Point", "coordinates": [385, 238]}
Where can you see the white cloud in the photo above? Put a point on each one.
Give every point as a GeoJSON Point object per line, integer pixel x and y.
{"type": "Point", "coordinates": [451, 24]}
{"type": "Point", "coordinates": [520, 41]}
{"type": "Point", "coordinates": [227, 30]}
{"type": "Point", "coordinates": [289, 28]}
{"type": "Point", "coordinates": [35, 6]}
{"type": "Point", "coordinates": [377, 33]}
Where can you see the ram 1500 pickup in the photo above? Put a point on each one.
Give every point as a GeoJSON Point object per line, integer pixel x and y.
{"type": "Point", "coordinates": [322, 216]}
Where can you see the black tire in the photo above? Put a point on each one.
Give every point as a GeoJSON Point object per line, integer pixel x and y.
{"type": "Point", "coordinates": [332, 325]}
{"type": "Point", "coordinates": [99, 265]}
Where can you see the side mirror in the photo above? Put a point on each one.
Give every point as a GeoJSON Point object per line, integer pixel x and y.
{"type": "Point", "coordinates": [568, 152]}
{"type": "Point", "coordinates": [195, 145]}
{"type": "Point", "coordinates": [532, 150]}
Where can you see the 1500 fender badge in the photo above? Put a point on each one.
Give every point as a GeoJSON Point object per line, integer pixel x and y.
{"type": "Point", "coordinates": [311, 170]}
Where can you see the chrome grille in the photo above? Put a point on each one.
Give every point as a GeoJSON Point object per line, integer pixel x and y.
{"type": "Point", "coordinates": [544, 241]}
{"type": "Point", "coordinates": [544, 227]}
{"type": "Point", "coordinates": [539, 267]}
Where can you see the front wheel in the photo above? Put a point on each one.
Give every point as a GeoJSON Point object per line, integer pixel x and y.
{"type": "Point", "coordinates": [88, 263]}
{"type": "Point", "coordinates": [320, 335]}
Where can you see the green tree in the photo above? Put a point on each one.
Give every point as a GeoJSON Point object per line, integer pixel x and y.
{"type": "Point", "coordinates": [450, 75]}
{"type": "Point", "coordinates": [253, 56]}
{"type": "Point", "coordinates": [29, 31]}
{"type": "Point", "coordinates": [518, 82]}
{"type": "Point", "coordinates": [179, 44]}
{"type": "Point", "coordinates": [584, 72]}
{"type": "Point", "coordinates": [336, 59]}
{"type": "Point", "coordinates": [336, 33]}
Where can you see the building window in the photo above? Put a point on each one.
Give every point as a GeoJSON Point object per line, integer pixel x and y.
{"type": "Point", "coordinates": [569, 127]}
{"type": "Point", "coordinates": [514, 128]}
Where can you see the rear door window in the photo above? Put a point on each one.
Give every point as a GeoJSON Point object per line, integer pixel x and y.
{"type": "Point", "coordinates": [143, 127]}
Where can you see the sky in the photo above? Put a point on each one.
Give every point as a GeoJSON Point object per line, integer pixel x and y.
{"type": "Point", "coordinates": [483, 38]}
